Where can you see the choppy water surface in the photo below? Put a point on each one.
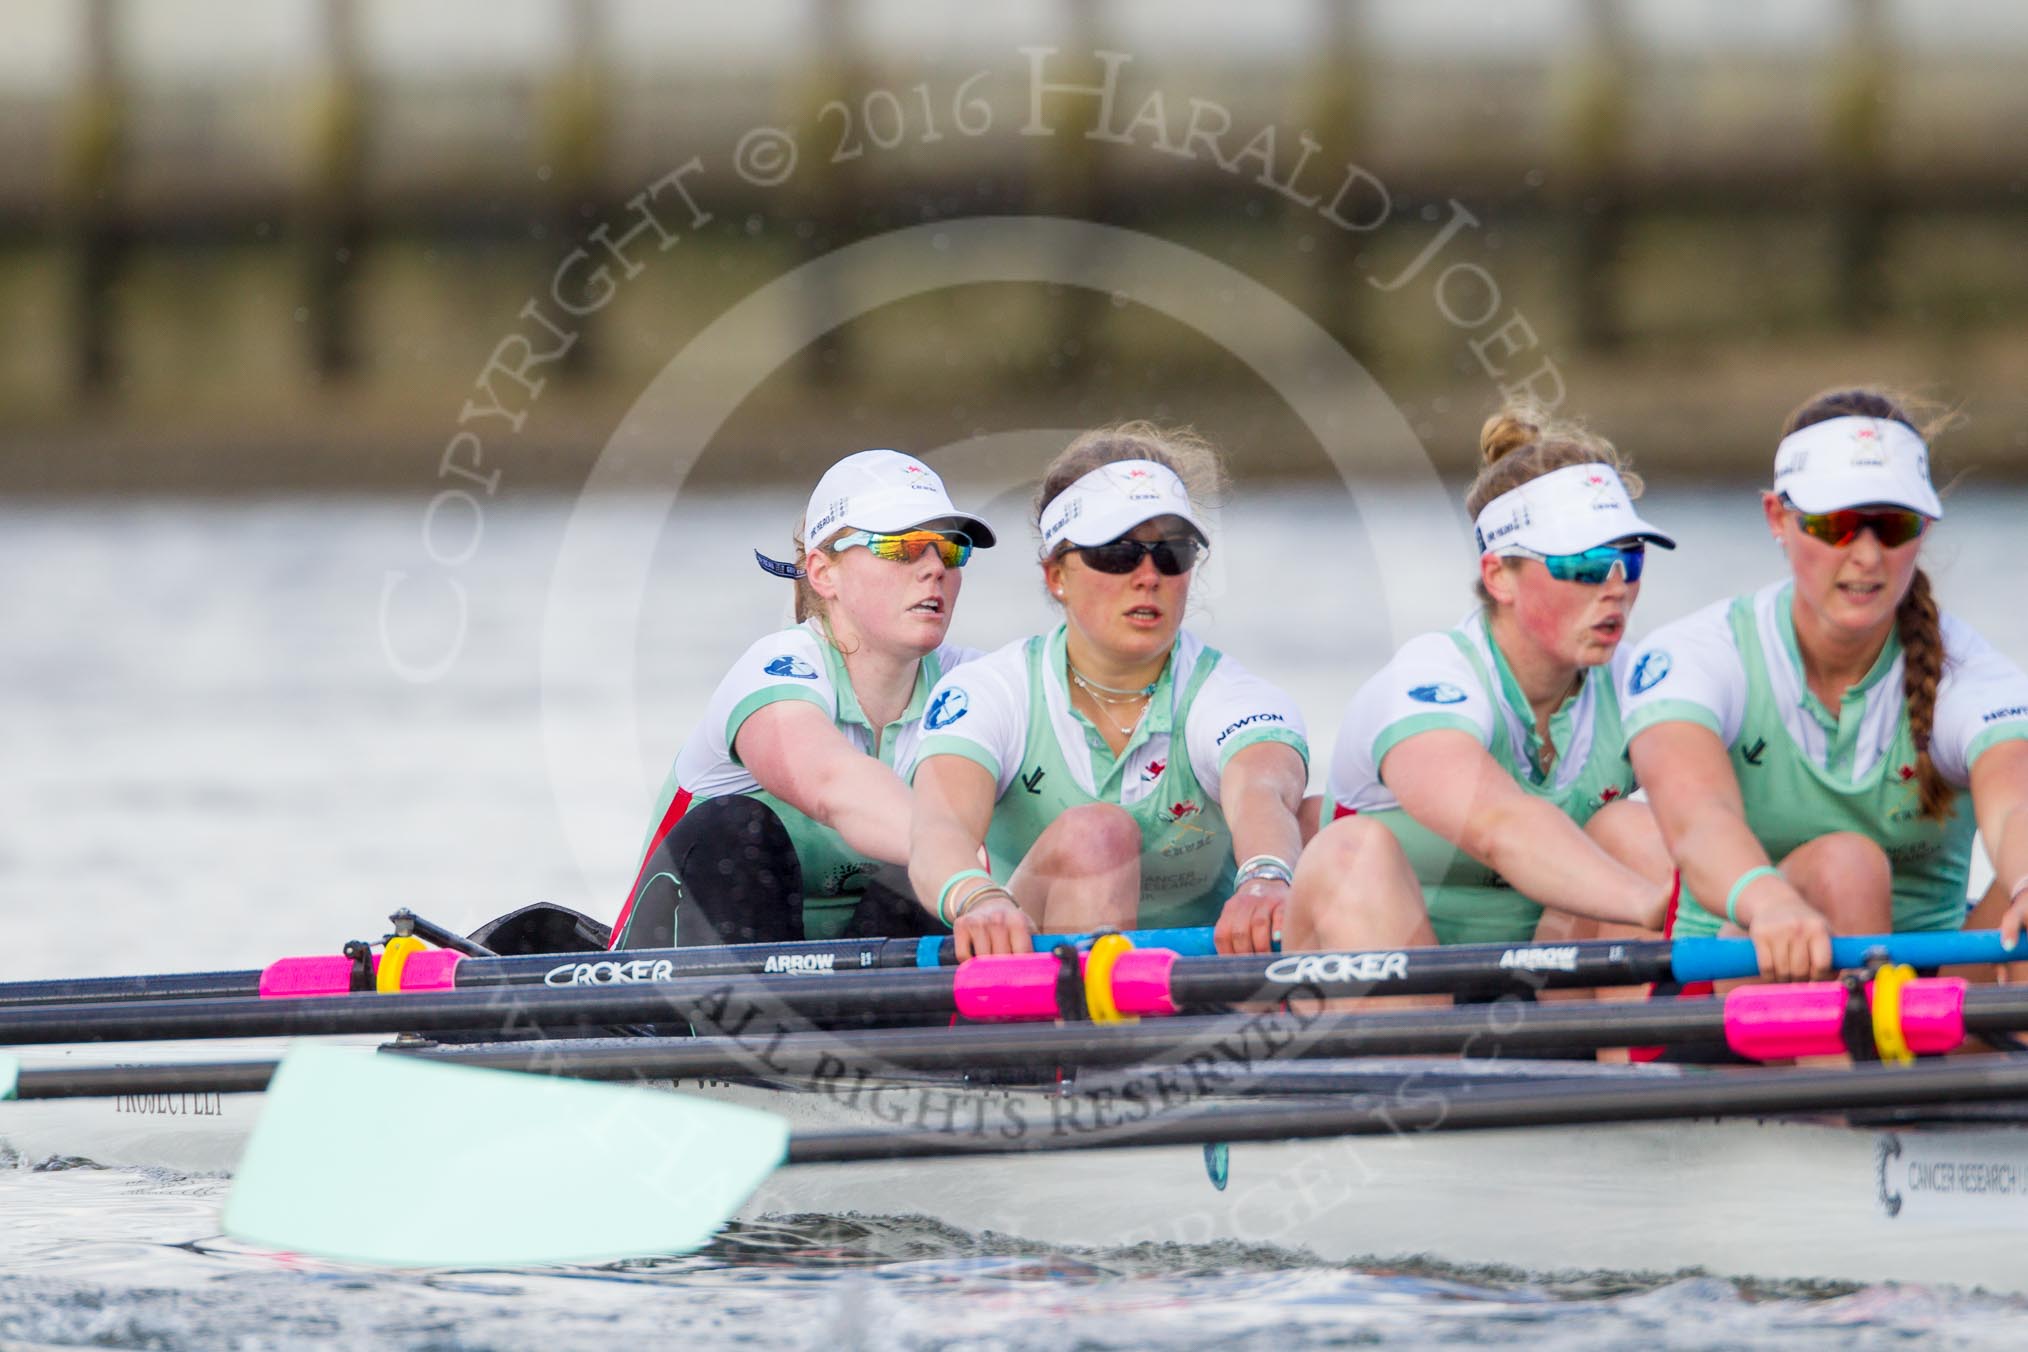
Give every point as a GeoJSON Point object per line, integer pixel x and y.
{"type": "Point", "coordinates": [211, 759]}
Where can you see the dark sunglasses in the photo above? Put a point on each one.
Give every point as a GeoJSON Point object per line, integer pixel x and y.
{"type": "Point", "coordinates": [1893, 527]}
{"type": "Point", "coordinates": [1172, 555]}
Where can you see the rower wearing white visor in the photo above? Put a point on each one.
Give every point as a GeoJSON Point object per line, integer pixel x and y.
{"type": "Point", "coordinates": [1481, 776]}
{"type": "Point", "coordinates": [1820, 752]}
{"type": "Point", "coordinates": [783, 817]}
{"type": "Point", "coordinates": [1118, 771]}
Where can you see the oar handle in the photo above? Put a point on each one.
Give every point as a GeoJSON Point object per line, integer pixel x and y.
{"type": "Point", "coordinates": [1191, 942]}
{"type": "Point", "coordinates": [1723, 959]}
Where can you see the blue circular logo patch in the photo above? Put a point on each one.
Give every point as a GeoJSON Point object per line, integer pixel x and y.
{"type": "Point", "coordinates": [1650, 671]}
{"type": "Point", "coordinates": [946, 709]}
{"type": "Point", "coordinates": [1443, 692]}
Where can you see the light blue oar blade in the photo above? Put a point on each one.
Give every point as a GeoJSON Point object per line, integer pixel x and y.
{"type": "Point", "coordinates": [386, 1159]}
{"type": "Point", "coordinates": [10, 1076]}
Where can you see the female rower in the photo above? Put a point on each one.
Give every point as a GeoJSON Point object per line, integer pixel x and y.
{"type": "Point", "coordinates": [1117, 770]}
{"type": "Point", "coordinates": [1481, 775]}
{"type": "Point", "coordinates": [1819, 753]}
{"type": "Point", "coordinates": [783, 818]}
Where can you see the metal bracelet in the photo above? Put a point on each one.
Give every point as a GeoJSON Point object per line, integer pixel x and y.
{"type": "Point", "coordinates": [1268, 866]}
{"type": "Point", "coordinates": [971, 899]}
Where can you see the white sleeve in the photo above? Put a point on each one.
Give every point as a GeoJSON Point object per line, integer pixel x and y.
{"type": "Point", "coordinates": [979, 711]}
{"type": "Point", "coordinates": [784, 665]}
{"type": "Point", "coordinates": [1688, 671]}
{"type": "Point", "coordinates": [1235, 709]}
{"type": "Point", "coordinates": [1982, 699]}
{"type": "Point", "coordinates": [1428, 685]}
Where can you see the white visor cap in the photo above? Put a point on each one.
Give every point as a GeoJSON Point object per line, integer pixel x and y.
{"type": "Point", "coordinates": [1851, 462]}
{"type": "Point", "coordinates": [1113, 499]}
{"type": "Point", "coordinates": [1565, 511]}
{"type": "Point", "coordinates": [884, 491]}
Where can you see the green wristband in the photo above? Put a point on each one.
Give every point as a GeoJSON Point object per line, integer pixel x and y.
{"type": "Point", "coordinates": [945, 895]}
{"type": "Point", "coordinates": [1746, 880]}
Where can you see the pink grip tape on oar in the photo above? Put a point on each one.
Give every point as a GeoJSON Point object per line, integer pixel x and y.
{"type": "Point", "coordinates": [1004, 988]}
{"type": "Point", "coordinates": [331, 974]}
{"type": "Point", "coordinates": [1769, 1023]}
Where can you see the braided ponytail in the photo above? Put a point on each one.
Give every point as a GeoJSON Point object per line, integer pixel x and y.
{"type": "Point", "coordinates": [1922, 656]}
{"type": "Point", "coordinates": [1915, 620]}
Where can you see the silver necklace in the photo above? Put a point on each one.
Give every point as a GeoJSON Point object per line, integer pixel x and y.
{"type": "Point", "coordinates": [1099, 695]}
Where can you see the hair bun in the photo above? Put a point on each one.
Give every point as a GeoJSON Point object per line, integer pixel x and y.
{"type": "Point", "coordinates": [1512, 428]}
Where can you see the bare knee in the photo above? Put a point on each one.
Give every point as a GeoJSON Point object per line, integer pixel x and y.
{"type": "Point", "coordinates": [1094, 837]}
{"type": "Point", "coordinates": [1346, 848]}
{"type": "Point", "coordinates": [1846, 876]}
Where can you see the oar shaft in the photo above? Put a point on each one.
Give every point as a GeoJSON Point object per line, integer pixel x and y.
{"type": "Point", "coordinates": [728, 1003]}
{"type": "Point", "coordinates": [98, 989]}
{"type": "Point", "coordinates": [1416, 1110]}
{"type": "Point", "coordinates": [187, 1077]}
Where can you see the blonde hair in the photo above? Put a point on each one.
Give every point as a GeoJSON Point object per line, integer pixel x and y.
{"type": "Point", "coordinates": [1190, 456]}
{"type": "Point", "coordinates": [1916, 621]}
{"type": "Point", "coordinates": [1523, 442]}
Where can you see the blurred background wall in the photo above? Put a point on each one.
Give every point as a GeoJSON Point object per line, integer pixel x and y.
{"type": "Point", "coordinates": [279, 244]}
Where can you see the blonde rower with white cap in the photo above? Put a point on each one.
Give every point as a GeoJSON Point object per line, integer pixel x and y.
{"type": "Point", "coordinates": [1481, 776]}
{"type": "Point", "coordinates": [1819, 753]}
{"type": "Point", "coordinates": [783, 818]}
{"type": "Point", "coordinates": [1117, 770]}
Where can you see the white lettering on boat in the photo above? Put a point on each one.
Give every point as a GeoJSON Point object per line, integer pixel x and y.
{"type": "Point", "coordinates": [1561, 958]}
{"type": "Point", "coordinates": [607, 972]}
{"type": "Point", "coordinates": [1302, 969]}
{"type": "Point", "coordinates": [799, 962]}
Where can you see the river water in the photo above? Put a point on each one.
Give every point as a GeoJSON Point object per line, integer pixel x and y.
{"type": "Point", "coordinates": [239, 729]}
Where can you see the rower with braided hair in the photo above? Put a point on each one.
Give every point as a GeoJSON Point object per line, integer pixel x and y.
{"type": "Point", "coordinates": [1820, 753]}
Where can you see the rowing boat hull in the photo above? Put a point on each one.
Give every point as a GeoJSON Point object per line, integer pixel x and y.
{"type": "Point", "coordinates": [1779, 1199]}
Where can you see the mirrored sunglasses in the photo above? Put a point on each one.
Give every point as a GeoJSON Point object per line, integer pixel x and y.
{"type": "Point", "coordinates": [953, 547]}
{"type": "Point", "coordinates": [1893, 527]}
{"type": "Point", "coordinates": [1592, 567]}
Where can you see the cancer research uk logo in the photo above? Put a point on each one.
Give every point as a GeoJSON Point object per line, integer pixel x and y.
{"type": "Point", "coordinates": [1443, 692]}
{"type": "Point", "coordinates": [788, 664]}
{"type": "Point", "coordinates": [1649, 671]}
{"type": "Point", "coordinates": [946, 709]}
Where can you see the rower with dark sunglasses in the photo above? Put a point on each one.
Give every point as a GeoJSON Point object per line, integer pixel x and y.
{"type": "Point", "coordinates": [1820, 753]}
{"type": "Point", "coordinates": [1118, 771]}
{"type": "Point", "coordinates": [783, 818]}
{"type": "Point", "coordinates": [1478, 790]}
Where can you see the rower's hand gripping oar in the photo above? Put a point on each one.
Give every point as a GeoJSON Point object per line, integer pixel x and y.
{"type": "Point", "coordinates": [521, 1169]}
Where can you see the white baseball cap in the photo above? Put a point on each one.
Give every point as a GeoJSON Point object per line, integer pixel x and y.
{"type": "Point", "coordinates": [1113, 499]}
{"type": "Point", "coordinates": [1852, 461]}
{"type": "Point", "coordinates": [1565, 511]}
{"type": "Point", "coordinates": [878, 491]}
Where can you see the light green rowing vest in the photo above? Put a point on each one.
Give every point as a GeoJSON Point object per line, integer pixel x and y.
{"type": "Point", "coordinates": [1468, 902]}
{"type": "Point", "coordinates": [1187, 869]}
{"type": "Point", "coordinates": [834, 874]}
{"type": "Point", "coordinates": [1790, 800]}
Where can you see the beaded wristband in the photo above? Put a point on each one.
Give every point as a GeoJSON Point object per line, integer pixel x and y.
{"type": "Point", "coordinates": [945, 895]}
{"type": "Point", "coordinates": [1746, 880]}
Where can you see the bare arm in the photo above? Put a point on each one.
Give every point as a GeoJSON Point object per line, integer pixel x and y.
{"type": "Point", "coordinates": [953, 807]}
{"type": "Point", "coordinates": [800, 757]}
{"type": "Point", "coordinates": [2000, 800]}
{"type": "Point", "coordinates": [1695, 796]}
{"type": "Point", "coordinates": [1446, 780]}
{"type": "Point", "coordinates": [1262, 794]}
